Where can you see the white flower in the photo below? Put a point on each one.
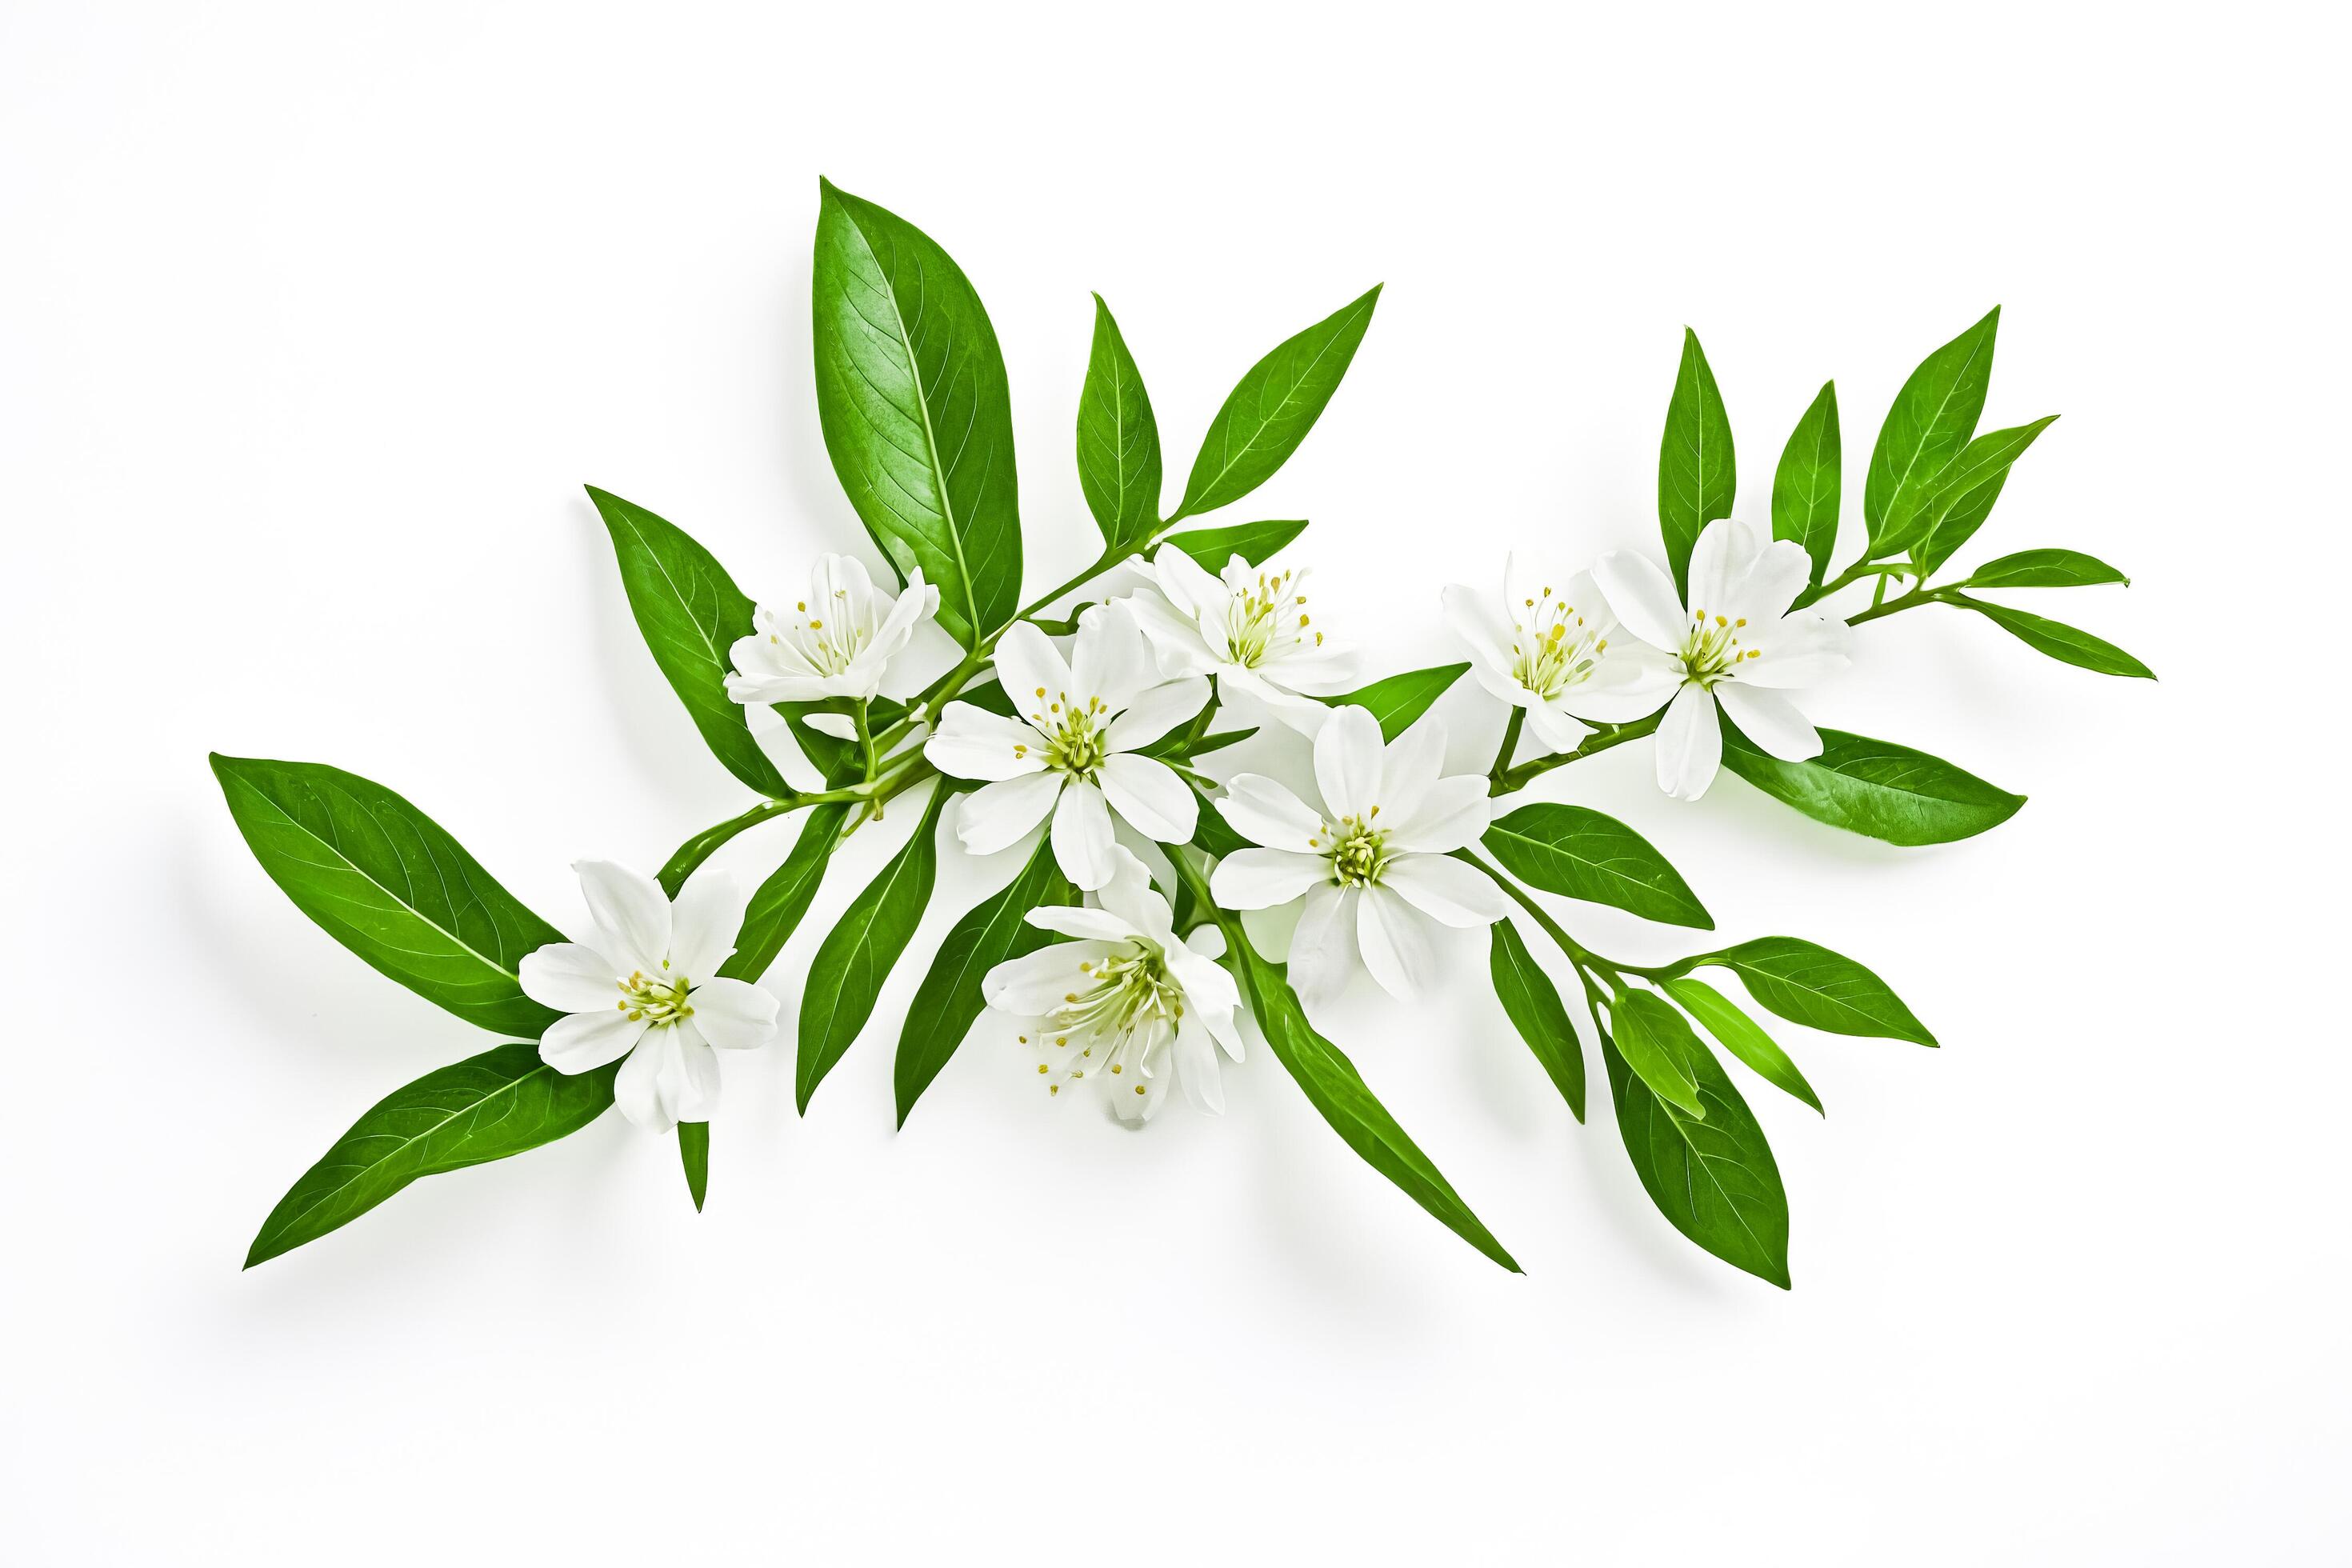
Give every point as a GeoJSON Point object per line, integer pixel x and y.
{"type": "Point", "coordinates": [647, 990]}
{"type": "Point", "coordinates": [1249, 630]}
{"type": "Point", "coordinates": [835, 643]}
{"type": "Point", "coordinates": [1125, 999]}
{"type": "Point", "coordinates": [1071, 752]}
{"type": "Point", "coordinates": [1553, 654]}
{"type": "Point", "coordinates": [1738, 645]}
{"type": "Point", "coordinates": [1373, 865]}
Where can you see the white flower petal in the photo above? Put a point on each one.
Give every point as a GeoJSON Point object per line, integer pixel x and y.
{"type": "Point", "coordinates": [1194, 591]}
{"type": "Point", "coordinates": [630, 912]}
{"type": "Point", "coordinates": [1555, 727]}
{"type": "Point", "coordinates": [1036, 983]}
{"type": "Point", "coordinates": [1175, 639]}
{"type": "Point", "coordinates": [1303, 714]}
{"type": "Point", "coordinates": [569, 978]}
{"type": "Point", "coordinates": [1642, 596]}
{"type": "Point", "coordinates": [579, 1041]}
{"type": "Point", "coordinates": [1450, 815]}
{"type": "Point", "coordinates": [1265, 812]}
{"type": "Point", "coordinates": [1127, 898]}
{"type": "Point", "coordinates": [1098, 925]}
{"type": "Point", "coordinates": [1261, 878]}
{"type": "Point", "coordinates": [1409, 767]}
{"type": "Point", "coordinates": [1110, 659]}
{"type": "Point", "coordinates": [1194, 1057]}
{"type": "Point", "coordinates": [1446, 890]}
{"type": "Point", "coordinates": [636, 1090]}
{"type": "Point", "coordinates": [1082, 836]}
{"type": "Point", "coordinates": [1802, 650]}
{"type": "Point", "coordinates": [995, 815]}
{"type": "Point", "coordinates": [734, 1014]}
{"type": "Point", "coordinates": [1348, 762]}
{"type": "Point", "coordinates": [1690, 744]}
{"type": "Point", "coordinates": [840, 726]}
{"type": "Point", "coordinates": [973, 743]}
{"type": "Point", "coordinates": [1770, 719]}
{"type": "Point", "coordinates": [1323, 946]}
{"type": "Point", "coordinates": [1719, 563]}
{"type": "Point", "coordinates": [1156, 710]}
{"type": "Point", "coordinates": [1634, 680]}
{"type": "Point", "coordinates": [1027, 666]}
{"type": "Point", "coordinates": [704, 923]}
{"type": "Point", "coordinates": [1778, 573]}
{"type": "Point", "coordinates": [1147, 792]}
{"type": "Point", "coordinates": [1309, 669]}
{"type": "Point", "coordinates": [1397, 942]}
{"type": "Point", "coordinates": [1471, 618]}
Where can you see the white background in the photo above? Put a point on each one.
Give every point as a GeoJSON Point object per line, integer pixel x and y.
{"type": "Point", "coordinates": [317, 318]}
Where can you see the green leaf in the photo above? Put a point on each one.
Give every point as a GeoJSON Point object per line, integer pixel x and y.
{"type": "Point", "coordinates": [1336, 1089]}
{"type": "Point", "coordinates": [777, 907]}
{"type": "Point", "coordinates": [911, 392]}
{"type": "Point", "coordinates": [2045, 569]}
{"type": "Point", "coordinates": [1176, 745]}
{"type": "Point", "coordinates": [1807, 485]}
{"type": "Point", "coordinates": [1212, 833]}
{"type": "Point", "coordinates": [858, 952]}
{"type": "Point", "coordinates": [690, 613]}
{"type": "Point", "coordinates": [385, 880]}
{"type": "Point", "coordinates": [1876, 788]}
{"type": "Point", "coordinates": [1714, 1179]}
{"type": "Point", "coordinates": [949, 998]}
{"type": "Point", "coordinates": [2066, 644]}
{"type": "Point", "coordinates": [1533, 1003]}
{"type": "Point", "coordinates": [1659, 1046]}
{"type": "Point", "coordinates": [1932, 419]}
{"type": "Point", "coordinates": [1252, 541]}
{"type": "Point", "coordinates": [1271, 408]}
{"type": "Point", "coordinates": [485, 1108]}
{"type": "Point", "coordinates": [1807, 983]}
{"type": "Point", "coordinates": [1741, 1036]}
{"type": "Point", "coordinates": [1580, 854]}
{"type": "Point", "coordinates": [694, 1152]}
{"type": "Point", "coordinates": [1965, 492]}
{"type": "Point", "coordinates": [1119, 441]}
{"type": "Point", "coordinates": [1697, 475]}
{"type": "Point", "coordinates": [1399, 700]}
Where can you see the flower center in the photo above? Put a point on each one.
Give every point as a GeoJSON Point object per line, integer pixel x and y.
{"type": "Point", "coordinates": [1126, 991]}
{"type": "Point", "coordinates": [1359, 852]}
{"type": "Point", "coordinates": [1263, 619]}
{"type": "Point", "coordinates": [657, 1002]}
{"type": "Point", "coordinates": [830, 638]}
{"type": "Point", "coordinates": [1555, 649]}
{"type": "Point", "coordinates": [1711, 650]}
{"type": "Point", "coordinates": [1075, 735]}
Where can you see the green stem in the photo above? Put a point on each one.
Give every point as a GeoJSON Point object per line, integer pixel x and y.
{"type": "Point", "coordinates": [1922, 594]}
{"type": "Point", "coordinates": [1511, 726]}
{"type": "Point", "coordinates": [1513, 779]}
{"type": "Point", "coordinates": [1583, 957]}
{"type": "Point", "coordinates": [859, 716]}
{"type": "Point", "coordinates": [703, 844]}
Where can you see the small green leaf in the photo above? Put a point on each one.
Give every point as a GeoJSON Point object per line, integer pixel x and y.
{"type": "Point", "coordinates": [858, 952]}
{"type": "Point", "coordinates": [1741, 1036]}
{"type": "Point", "coordinates": [1580, 854]}
{"type": "Point", "coordinates": [2066, 644]}
{"type": "Point", "coordinates": [485, 1108]}
{"type": "Point", "coordinates": [1659, 1046]}
{"type": "Point", "coordinates": [2045, 569]}
{"type": "Point", "coordinates": [1270, 410]}
{"type": "Point", "coordinates": [1212, 833]}
{"type": "Point", "coordinates": [1176, 745]}
{"type": "Point", "coordinates": [1875, 788]}
{"type": "Point", "coordinates": [1964, 492]}
{"type": "Point", "coordinates": [1714, 1178]}
{"type": "Point", "coordinates": [1119, 441]}
{"type": "Point", "coordinates": [1932, 419]}
{"type": "Point", "coordinates": [777, 907]}
{"type": "Point", "coordinates": [388, 883]}
{"type": "Point", "coordinates": [1399, 700]}
{"type": "Point", "coordinates": [1252, 541]}
{"type": "Point", "coordinates": [1533, 1003]}
{"type": "Point", "coordinates": [1805, 487]}
{"type": "Point", "coordinates": [694, 1154]}
{"type": "Point", "coordinates": [690, 613]}
{"type": "Point", "coordinates": [917, 418]}
{"type": "Point", "coordinates": [949, 998]}
{"type": "Point", "coordinates": [1334, 1087]}
{"type": "Point", "coordinates": [1697, 475]}
{"type": "Point", "coordinates": [1807, 983]}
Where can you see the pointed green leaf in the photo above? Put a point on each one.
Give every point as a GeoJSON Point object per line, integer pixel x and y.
{"type": "Point", "coordinates": [2068, 644]}
{"type": "Point", "coordinates": [1964, 492]}
{"type": "Point", "coordinates": [1875, 788]}
{"type": "Point", "coordinates": [1660, 1048]}
{"type": "Point", "coordinates": [1697, 476]}
{"type": "Point", "coordinates": [388, 883]}
{"type": "Point", "coordinates": [1932, 419]}
{"type": "Point", "coordinates": [2045, 569]}
{"type": "Point", "coordinates": [1533, 1003]}
{"type": "Point", "coordinates": [1714, 1178]}
{"type": "Point", "coordinates": [486, 1107]}
{"type": "Point", "coordinates": [1807, 983]}
{"type": "Point", "coordinates": [949, 999]}
{"type": "Point", "coordinates": [1578, 853]}
{"type": "Point", "coordinates": [1806, 486]}
{"type": "Point", "coordinates": [690, 613]}
{"type": "Point", "coordinates": [777, 907]}
{"type": "Point", "coordinates": [1399, 700]}
{"type": "Point", "coordinates": [694, 1154]}
{"type": "Point", "coordinates": [1741, 1036]}
{"type": "Point", "coordinates": [1119, 441]}
{"type": "Point", "coordinates": [1252, 541]}
{"type": "Point", "coordinates": [1270, 410]}
{"type": "Point", "coordinates": [858, 953]}
{"type": "Point", "coordinates": [911, 392]}
{"type": "Point", "coordinates": [1212, 833]}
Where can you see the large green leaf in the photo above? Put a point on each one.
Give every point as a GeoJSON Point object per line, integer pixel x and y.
{"type": "Point", "coordinates": [2045, 569]}
{"type": "Point", "coordinates": [1252, 541]}
{"type": "Point", "coordinates": [1533, 1003]}
{"type": "Point", "coordinates": [485, 1108]}
{"type": "Point", "coordinates": [1271, 408]}
{"type": "Point", "coordinates": [1742, 1035]}
{"type": "Point", "coordinates": [1119, 441]}
{"type": "Point", "coordinates": [911, 392]}
{"type": "Point", "coordinates": [690, 613]}
{"type": "Point", "coordinates": [1932, 419]}
{"type": "Point", "coordinates": [386, 881]}
{"type": "Point", "coordinates": [1875, 788]}
{"type": "Point", "coordinates": [778, 906]}
{"type": "Point", "coordinates": [1399, 700]}
{"type": "Point", "coordinates": [1698, 474]}
{"type": "Point", "coordinates": [858, 952]}
{"type": "Point", "coordinates": [1714, 1178]}
{"type": "Point", "coordinates": [1578, 853]}
{"type": "Point", "coordinates": [1334, 1087]}
{"type": "Point", "coordinates": [1660, 1048]}
{"type": "Point", "coordinates": [2068, 644]}
{"type": "Point", "coordinates": [1806, 486]}
{"type": "Point", "coordinates": [1964, 492]}
{"type": "Point", "coordinates": [1807, 983]}
{"type": "Point", "coordinates": [949, 998]}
